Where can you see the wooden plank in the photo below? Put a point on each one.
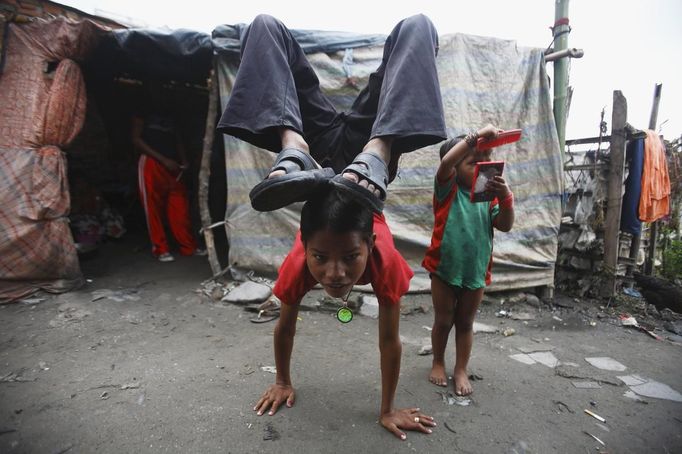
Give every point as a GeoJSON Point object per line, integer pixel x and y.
{"type": "Point", "coordinates": [205, 174]}
{"type": "Point", "coordinates": [576, 167]}
{"type": "Point", "coordinates": [587, 140]}
{"type": "Point", "coordinates": [614, 192]}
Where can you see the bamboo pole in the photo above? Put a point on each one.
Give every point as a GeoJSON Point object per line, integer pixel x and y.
{"type": "Point", "coordinates": [205, 174]}
{"type": "Point", "coordinates": [649, 265]}
{"type": "Point", "coordinates": [560, 33]}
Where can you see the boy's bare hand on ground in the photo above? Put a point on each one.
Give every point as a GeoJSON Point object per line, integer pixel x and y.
{"type": "Point", "coordinates": [406, 419]}
{"type": "Point", "coordinates": [273, 397]}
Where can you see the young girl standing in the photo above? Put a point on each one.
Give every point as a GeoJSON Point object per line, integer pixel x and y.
{"type": "Point", "coordinates": [459, 258]}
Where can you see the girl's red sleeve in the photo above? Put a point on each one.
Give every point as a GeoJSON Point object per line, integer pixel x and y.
{"type": "Point", "coordinates": [294, 279]}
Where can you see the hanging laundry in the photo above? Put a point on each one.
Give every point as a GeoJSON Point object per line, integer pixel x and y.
{"type": "Point", "coordinates": [654, 202]}
{"type": "Point", "coordinates": [629, 220]}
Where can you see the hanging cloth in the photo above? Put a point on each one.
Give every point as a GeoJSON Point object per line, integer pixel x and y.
{"type": "Point", "coordinates": [654, 203]}
{"type": "Point", "coordinates": [629, 220]}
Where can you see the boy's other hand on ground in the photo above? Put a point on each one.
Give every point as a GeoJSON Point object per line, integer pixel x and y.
{"type": "Point", "coordinates": [406, 419]}
{"type": "Point", "coordinates": [273, 397]}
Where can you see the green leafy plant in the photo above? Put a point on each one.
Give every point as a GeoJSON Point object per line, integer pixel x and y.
{"type": "Point", "coordinates": [672, 260]}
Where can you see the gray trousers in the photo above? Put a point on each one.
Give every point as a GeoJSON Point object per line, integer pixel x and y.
{"type": "Point", "coordinates": [277, 87]}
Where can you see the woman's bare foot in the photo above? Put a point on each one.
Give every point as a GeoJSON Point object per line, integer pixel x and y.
{"type": "Point", "coordinates": [462, 385]}
{"type": "Point", "coordinates": [438, 376]}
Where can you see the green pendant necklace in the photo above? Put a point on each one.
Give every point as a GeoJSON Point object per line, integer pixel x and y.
{"type": "Point", "coordinates": [345, 314]}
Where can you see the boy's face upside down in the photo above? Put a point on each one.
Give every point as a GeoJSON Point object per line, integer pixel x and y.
{"type": "Point", "coordinates": [337, 260]}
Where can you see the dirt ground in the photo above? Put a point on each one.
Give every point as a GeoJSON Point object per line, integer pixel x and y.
{"type": "Point", "coordinates": [138, 361]}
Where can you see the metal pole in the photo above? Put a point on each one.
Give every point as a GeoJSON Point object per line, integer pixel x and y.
{"type": "Point", "coordinates": [649, 265]}
{"type": "Point", "coordinates": [560, 32]}
{"type": "Point", "coordinates": [653, 118]}
{"type": "Point", "coordinates": [572, 53]}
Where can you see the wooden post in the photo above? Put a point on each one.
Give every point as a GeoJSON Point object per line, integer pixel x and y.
{"type": "Point", "coordinates": [649, 265]}
{"type": "Point", "coordinates": [614, 193]}
{"type": "Point", "coordinates": [653, 118]}
{"type": "Point", "coordinates": [205, 174]}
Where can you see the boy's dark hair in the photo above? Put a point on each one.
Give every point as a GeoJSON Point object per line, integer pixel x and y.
{"type": "Point", "coordinates": [329, 209]}
{"type": "Point", "coordinates": [449, 144]}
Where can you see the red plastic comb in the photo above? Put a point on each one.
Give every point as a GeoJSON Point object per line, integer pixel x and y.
{"type": "Point", "coordinates": [505, 137]}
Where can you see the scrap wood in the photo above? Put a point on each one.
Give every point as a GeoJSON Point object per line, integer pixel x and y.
{"type": "Point", "coordinates": [629, 320]}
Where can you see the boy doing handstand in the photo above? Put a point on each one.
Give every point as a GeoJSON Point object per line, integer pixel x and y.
{"type": "Point", "coordinates": [459, 258]}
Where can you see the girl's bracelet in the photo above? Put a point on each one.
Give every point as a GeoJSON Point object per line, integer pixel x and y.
{"type": "Point", "coordinates": [507, 202]}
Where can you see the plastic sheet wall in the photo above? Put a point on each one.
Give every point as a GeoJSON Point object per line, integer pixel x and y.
{"type": "Point", "coordinates": [42, 109]}
{"type": "Point", "coordinates": [482, 80]}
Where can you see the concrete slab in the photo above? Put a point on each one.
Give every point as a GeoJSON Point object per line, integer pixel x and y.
{"type": "Point", "coordinates": [483, 328]}
{"type": "Point", "coordinates": [370, 306]}
{"type": "Point", "coordinates": [546, 358]}
{"type": "Point", "coordinates": [522, 358]}
{"type": "Point", "coordinates": [586, 384]}
{"type": "Point", "coordinates": [248, 293]}
{"type": "Point", "coordinates": [654, 389]}
{"type": "Point", "coordinates": [532, 348]}
{"type": "Point", "coordinates": [632, 380]}
{"type": "Point", "coordinates": [606, 363]}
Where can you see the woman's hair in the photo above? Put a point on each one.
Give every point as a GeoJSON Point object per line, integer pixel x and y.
{"type": "Point", "coordinates": [449, 144]}
{"type": "Point", "coordinates": [331, 210]}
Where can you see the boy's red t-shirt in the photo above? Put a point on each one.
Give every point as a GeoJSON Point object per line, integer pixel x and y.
{"type": "Point", "coordinates": [386, 270]}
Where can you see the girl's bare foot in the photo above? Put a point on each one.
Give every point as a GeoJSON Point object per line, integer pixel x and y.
{"type": "Point", "coordinates": [437, 376]}
{"type": "Point", "coordinates": [380, 146]}
{"type": "Point", "coordinates": [462, 385]}
{"type": "Point", "coordinates": [290, 139]}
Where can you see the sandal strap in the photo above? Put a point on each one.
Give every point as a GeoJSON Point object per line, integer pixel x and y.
{"type": "Point", "coordinates": [368, 166]}
{"type": "Point", "coordinates": [293, 160]}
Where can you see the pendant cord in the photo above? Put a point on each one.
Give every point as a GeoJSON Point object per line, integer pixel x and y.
{"type": "Point", "coordinates": [345, 314]}
{"type": "Point", "coordinates": [345, 300]}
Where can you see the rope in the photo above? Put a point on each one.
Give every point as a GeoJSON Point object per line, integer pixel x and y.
{"type": "Point", "coordinates": [559, 22]}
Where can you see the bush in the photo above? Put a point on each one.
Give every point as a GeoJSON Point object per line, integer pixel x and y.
{"type": "Point", "coordinates": [672, 260]}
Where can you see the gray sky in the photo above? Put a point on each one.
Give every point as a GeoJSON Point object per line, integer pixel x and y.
{"type": "Point", "coordinates": [629, 45]}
